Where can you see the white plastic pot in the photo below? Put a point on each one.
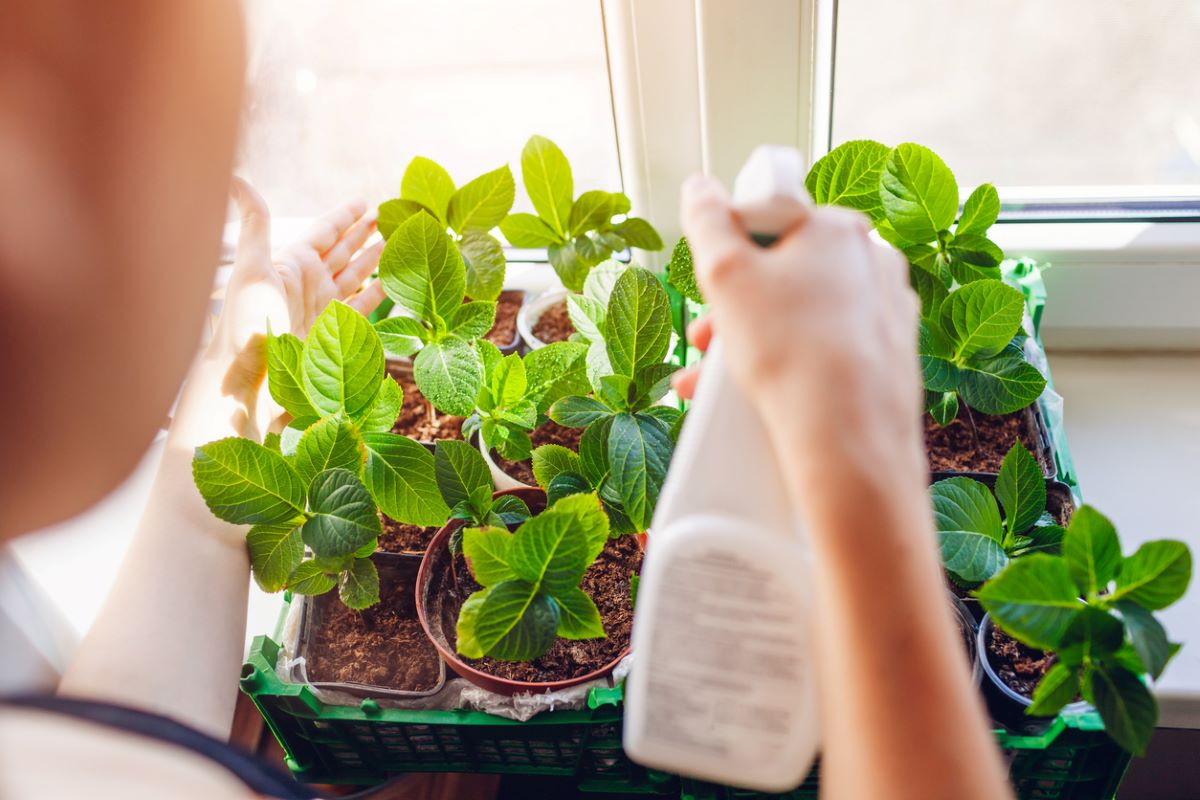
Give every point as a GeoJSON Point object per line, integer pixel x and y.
{"type": "Point", "coordinates": [985, 625]}
{"type": "Point", "coordinates": [501, 479]}
{"type": "Point", "coordinates": [532, 311]}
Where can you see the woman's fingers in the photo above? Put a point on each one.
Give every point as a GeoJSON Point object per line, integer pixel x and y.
{"type": "Point", "coordinates": [254, 237]}
{"type": "Point", "coordinates": [337, 257]}
{"type": "Point", "coordinates": [368, 299]}
{"type": "Point", "coordinates": [718, 241]}
{"type": "Point", "coordinates": [700, 332]}
{"type": "Point", "coordinates": [326, 231]}
{"type": "Point", "coordinates": [684, 382]}
{"type": "Point", "coordinates": [359, 269]}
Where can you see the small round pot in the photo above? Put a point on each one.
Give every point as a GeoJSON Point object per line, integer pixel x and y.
{"type": "Point", "coordinates": [532, 311]}
{"type": "Point", "coordinates": [500, 479]}
{"type": "Point", "coordinates": [1011, 697]}
{"type": "Point", "coordinates": [966, 623]}
{"type": "Point", "coordinates": [436, 557]}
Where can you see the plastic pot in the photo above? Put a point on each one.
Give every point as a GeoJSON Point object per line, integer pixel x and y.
{"type": "Point", "coordinates": [514, 345]}
{"type": "Point", "coordinates": [1035, 426]}
{"type": "Point", "coordinates": [532, 311]}
{"type": "Point", "coordinates": [968, 628]}
{"type": "Point", "coordinates": [1007, 704]}
{"type": "Point", "coordinates": [436, 564]}
{"type": "Point", "coordinates": [500, 479]}
{"type": "Point", "coordinates": [392, 567]}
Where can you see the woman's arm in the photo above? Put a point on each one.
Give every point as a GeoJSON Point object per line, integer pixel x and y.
{"type": "Point", "coordinates": [820, 330]}
{"type": "Point", "coordinates": [169, 638]}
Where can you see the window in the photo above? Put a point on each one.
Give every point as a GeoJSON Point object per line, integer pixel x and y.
{"type": "Point", "coordinates": [342, 95]}
{"type": "Point", "coordinates": [1029, 93]}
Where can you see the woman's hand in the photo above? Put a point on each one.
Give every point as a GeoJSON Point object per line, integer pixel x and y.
{"type": "Point", "coordinates": [819, 330]}
{"type": "Point", "coordinates": [281, 293]}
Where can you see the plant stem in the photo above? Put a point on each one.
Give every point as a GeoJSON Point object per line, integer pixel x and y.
{"type": "Point", "coordinates": [974, 430]}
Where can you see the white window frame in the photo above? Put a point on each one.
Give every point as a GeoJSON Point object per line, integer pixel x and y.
{"type": "Point", "coordinates": [696, 84]}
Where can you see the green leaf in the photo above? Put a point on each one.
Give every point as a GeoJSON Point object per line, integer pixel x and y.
{"type": "Point", "coordinates": [285, 375]}
{"type": "Point", "coordinates": [577, 411]}
{"type": "Point", "coordinates": [449, 374]}
{"type": "Point", "coordinates": [427, 183]}
{"type": "Point", "coordinates": [383, 413]}
{"type": "Point", "coordinates": [981, 318]}
{"type": "Point", "coordinates": [342, 517]}
{"type": "Point", "coordinates": [1091, 635]}
{"type": "Point", "coordinates": [587, 315]}
{"type": "Point", "coordinates": [651, 384]}
{"type": "Point", "coordinates": [333, 442]}
{"type": "Point", "coordinates": [669, 416]}
{"type": "Point", "coordinates": [571, 269]}
{"type": "Point", "coordinates": [637, 323]}
{"type": "Point", "coordinates": [942, 406]}
{"type": "Point", "coordinates": [969, 529]}
{"type": "Point", "coordinates": [1126, 706]}
{"type": "Point", "coordinates": [343, 361]}
{"type": "Point", "coordinates": [849, 176]}
{"type": "Point", "coordinates": [1091, 550]}
{"type": "Point", "coordinates": [1147, 635]}
{"type": "Point", "coordinates": [1021, 489]}
{"type": "Point", "coordinates": [578, 616]}
{"type": "Point", "coordinates": [473, 320]}
{"type": "Point", "coordinates": [245, 483]}
{"type": "Point", "coordinates": [639, 451]}
{"type": "Point", "coordinates": [1156, 575]}
{"type": "Point", "coordinates": [547, 177]}
{"type": "Point", "coordinates": [565, 485]}
{"type": "Point", "coordinates": [510, 509]}
{"type": "Point", "coordinates": [552, 460]}
{"type": "Point", "coordinates": [466, 644]}
{"type": "Point", "coordinates": [508, 381]}
{"type": "Point", "coordinates": [526, 230]}
{"type": "Point", "coordinates": [512, 443]}
{"type": "Point", "coordinates": [930, 288]}
{"type": "Point", "coordinates": [310, 578]}
{"type": "Point", "coordinates": [548, 553]}
{"type": "Point", "coordinates": [402, 336]}
{"type": "Point", "coordinates": [359, 586]}
{"type": "Point", "coordinates": [515, 623]}
{"type": "Point", "coordinates": [393, 213]}
{"type": "Point", "coordinates": [272, 441]}
{"type": "Point", "coordinates": [639, 233]}
{"type": "Point", "coordinates": [275, 552]}
{"type": "Point", "coordinates": [979, 212]}
{"type": "Point", "coordinates": [974, 258]}
{"type": "Point", "coordinates": [289, 437]}
{"type": "Point", "coordinates": [400, 476]}
{"type": "Point", "coordinates": [1000, 384]}
{"type": "Point", "coordinates": [918, 193]}
{"type": "Point", "coordinates": [1057, 688]}
{"type": "Point", "coordinates": [593, 450]}
{"type": "Point", "coordinates": [602, 280]}
{"type": "Point", "coordinates": [483, 203]}
{"type": "Point", "coordinates": [586, 521]}
{"type": "Point", "coordinates": [555, 371]}
{"type": "Point", "coordinates": [589, 211]}
{"type": "Point", "coordinates": [634, 580]}
{"type": "Point", "coordinates": [681, 272]}
{"type": "Point", "coordinates": [1033, 599]}
{"type": "Point", "coordinates": [487, 551]}
{"type": "Point", "coordinates": [938, 370]}
{"type": "Point", "coordinates": [463, 475]}
{"type": "Point", "coordinates": [485, 265]}
{"type": "Point", "coordinates": [1043, 538]}
{"type": "Point", "coordinates": [422, 271]}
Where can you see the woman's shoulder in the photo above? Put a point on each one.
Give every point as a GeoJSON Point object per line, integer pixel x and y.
{"type": "Point", "coordinates": [45, 755]}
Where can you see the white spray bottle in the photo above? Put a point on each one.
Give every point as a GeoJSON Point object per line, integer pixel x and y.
{"type": "Point", "coordinates": [723, 686]}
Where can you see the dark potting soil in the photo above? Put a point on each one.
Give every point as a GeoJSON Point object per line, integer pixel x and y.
{"type": "Point", "coordinates": [381, 646]}
{"type": "Point", "coordinates": [606, 582]}
{"type": "Point", "coordinates": [419, 420]}
{"type": "Point", "coordinates": [398, 537]}
{"type": "Point", "coordinates": [1020, 667]}
{"type": "Point", "coordinates": [554, 325]}
{"type": "Point", "coordinates": [504, 330]}
{"type": "Point", "coordinates": [550, 433]}
{"type": "Point", "coordinates": [955, 447]}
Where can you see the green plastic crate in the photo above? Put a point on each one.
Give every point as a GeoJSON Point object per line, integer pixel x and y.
{"type": "Point", "coordinates": [1071, 759]}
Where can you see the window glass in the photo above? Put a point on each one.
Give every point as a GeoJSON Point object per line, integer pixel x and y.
{"type": "Point", "coordinates": [343, 94]}
{"type": "Point", "coordinates": [1034, 93]}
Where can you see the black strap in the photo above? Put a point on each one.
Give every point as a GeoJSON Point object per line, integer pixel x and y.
{"type": "Point", "coordinates": [259, 777]}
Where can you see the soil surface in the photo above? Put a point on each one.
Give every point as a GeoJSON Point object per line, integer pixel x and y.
{"type": "Point", "coordinates": [504, 330]}
{"type": "Point", "coordinates": [419, 420]}
{"type": "Point", "coordinates": [554, 325]}
{"type": "Point", "coordinates": [381, 646]}
{"type": "Point", "coordinates": [606, 582]}
{"type": "Point", "coordinates": [550, 433]}
{"type": "Point", "coordinates": [1021, 667]}
{"type": "Point", "coordinates": [397, 537]}
{"type": "Point", "coordinates": [955, 447]}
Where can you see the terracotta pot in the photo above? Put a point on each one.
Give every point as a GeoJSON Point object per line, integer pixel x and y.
{"type": "Point", "coordinates": [436, 560]}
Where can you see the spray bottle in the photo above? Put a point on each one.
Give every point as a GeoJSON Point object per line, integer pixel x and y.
{"type": "Point", "coordinates": [723, 685]}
